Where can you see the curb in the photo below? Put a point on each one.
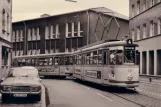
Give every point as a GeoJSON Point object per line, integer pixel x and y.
{"type": "Point", "coordinates": [43, 98]}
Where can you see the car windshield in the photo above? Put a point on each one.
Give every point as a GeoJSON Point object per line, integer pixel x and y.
{"type": "Point", "coordinates": [21, 72]}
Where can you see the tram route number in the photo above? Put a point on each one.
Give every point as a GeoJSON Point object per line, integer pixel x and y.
{"type": "Point", "coordinates": [93, 74]}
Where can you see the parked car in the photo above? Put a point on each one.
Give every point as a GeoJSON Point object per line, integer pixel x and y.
{"type": "Point", "coordinates": [22, 82]}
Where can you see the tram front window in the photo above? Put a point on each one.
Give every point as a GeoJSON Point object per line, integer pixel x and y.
{"type": "Point", "coordinates": [116, 57]}
{"type": "Point", "coordinates": [129, 56]}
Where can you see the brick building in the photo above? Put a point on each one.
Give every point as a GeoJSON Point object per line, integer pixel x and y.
{"type": "Point", "coordinates": [145, 29]}
{"type": "Point", "coordinates": [66, 32]}
{"type": "Point", "coordinates": [5, 36]}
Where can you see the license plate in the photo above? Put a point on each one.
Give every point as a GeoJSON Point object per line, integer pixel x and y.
{"type": "Point", "coordinates": [20, 95]}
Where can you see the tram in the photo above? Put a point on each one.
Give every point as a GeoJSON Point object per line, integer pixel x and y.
{"type": "Point", "coordinates": [109, 63]}
{"type": "Point", "coordinates": [55, 64]}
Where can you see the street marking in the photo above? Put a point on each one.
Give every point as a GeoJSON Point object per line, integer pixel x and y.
{"type": "Point", "coordinates": [104, 97]}
{"type": "Point", "coordinates": [86, 87]}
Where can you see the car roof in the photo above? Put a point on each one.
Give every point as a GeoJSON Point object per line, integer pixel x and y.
{"type": "Point", "coordinates": [29, 67]}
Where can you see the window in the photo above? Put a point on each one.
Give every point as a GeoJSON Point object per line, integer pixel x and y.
{"type": "Point", "coordinates": [57, 31]}
{"type": "Point", "coordinates": [116, 57]}
{"type": "Point", "coordinates": [133, 10]}
{"type": "Point", "coordinates": [34, 33]}
{"type": "Point", "coordinates": [9, 1]}
{"type": "Point", "coordinates": [8, 24]}
{"type": "Point", "coordinates": [3, 21]}
{"type": "Point", "coordinates": [52, 31]}
{"type": "Point", "coordinates": [66, 50]}
{"type": "Point", "coordinates": [151, 28]}
{"type": "Point", "coordinates": [144, 31]}
{"type": "Point", "coordinates": [129, 54]}
{"type": "Point", "coordinates": [29, 34]}
{"type": "Point", "coordinates": [38, 33]}
{"type": "Point", "coordinates": [69, 29]}
{"type": "Point", "coordinates": [158, 1]}
{"type": "Point", "coordinates": [17, 36]}
{"type": "Point", "coordinates": [152, 2]}
{"type": "Point", "coordinates": [133, 34]}
{"type": "Point", "coordinates": [144, 5]}
{"type": "Point", "coordinates": [80, 29]}
{"type": "Point", "coordinates": [56, 50]}
{"type": "Point", "coordinates": [14, 38]}
{"type": "Point", "coordinates": [75, 28]}
{"type": "Point", "coordinates": [138, 33]}
{"type": "Point", "coordinates": [138, 7]}
{"type": "Point", "coordinates": [21, 35]}
{"type": "Point", "coordinates": [47, 35]}
{"type": "Point", "coordinates": [159, 26]}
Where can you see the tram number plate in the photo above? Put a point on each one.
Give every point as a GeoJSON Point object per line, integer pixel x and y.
{"type": "Point", "coordinates": [20, 95]}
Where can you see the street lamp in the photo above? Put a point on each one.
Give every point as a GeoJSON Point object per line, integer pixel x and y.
{"type": "Point", "coordinates": [71, 1]}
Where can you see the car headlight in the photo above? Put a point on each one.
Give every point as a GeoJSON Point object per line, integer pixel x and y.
{"type": "Point", "coordinates": [6, 88]}
{"type": "Point", "coordinates": [35, 89]}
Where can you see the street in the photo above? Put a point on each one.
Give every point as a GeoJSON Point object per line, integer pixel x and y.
{"type": "Point", "coordinates": [72, 93]}
{"type": "Point", "coordinates": [67, 93]}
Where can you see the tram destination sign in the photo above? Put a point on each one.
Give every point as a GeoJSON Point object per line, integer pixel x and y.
{"type": "Point", "coordinates": [129, 48]}
{"type": "Point", "coordinates": [93, 74]}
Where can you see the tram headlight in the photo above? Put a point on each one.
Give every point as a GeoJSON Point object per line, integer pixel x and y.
{"type": "Point", "coordinates": [130, 77]}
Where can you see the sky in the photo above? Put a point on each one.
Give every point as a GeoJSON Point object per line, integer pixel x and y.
{"type": "Point", "coordinates": [29, 9]}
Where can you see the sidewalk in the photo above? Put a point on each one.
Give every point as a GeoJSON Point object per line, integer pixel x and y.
{"type": "Point", "coordinates": [150, 79]}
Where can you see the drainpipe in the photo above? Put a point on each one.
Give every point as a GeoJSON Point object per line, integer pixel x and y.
{"type": "Point", "coordinates": [88, 27]}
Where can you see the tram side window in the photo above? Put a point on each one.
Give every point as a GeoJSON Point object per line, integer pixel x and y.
{"type": "Point", "coordinates": [100, 57]}
{"type": "Point", "coordinates": [79, 59]}
{"type": "Point", "coordinates": [32, 62]}
{"type": "Point", "coordinates": [116, 57]}
{"type": "Point", "coordinates": [56, 61]}
{"type": "Point", "coordinates": [105, 58]}
{"type": "Point", "coordinates": [68, 60]}
{"type": "Point", "coordinates": [61, 60]}
{"type": "Point", "coordinates": [46, 62]}
{"type": "Point", "coordinates": [50, 61]}
{"type": "Point", "coordinates": [88, 59]}
{"type": "Point", "coordinates": [28, 62]}
{"type": "Point", "coordinates": [95, 58]}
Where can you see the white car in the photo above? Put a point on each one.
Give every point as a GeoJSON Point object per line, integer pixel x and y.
{"type": "Point", "coordinates": [22, 82]}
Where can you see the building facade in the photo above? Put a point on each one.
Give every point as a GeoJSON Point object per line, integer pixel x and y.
{"type": "Point", "coordinates": [66, 32]}
{"type": "Point", "coordinates": [5, 36]}
{"type": "Point", "coordinates": [145, 29]}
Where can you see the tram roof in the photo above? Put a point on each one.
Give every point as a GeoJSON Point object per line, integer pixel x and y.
{"type": "Point", "coordinates": [104, 43]}
{"type": "Point", "coordinates": [43, 55]}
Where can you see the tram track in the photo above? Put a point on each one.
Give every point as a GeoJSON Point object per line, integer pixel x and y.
{"type": "Point", "coordinates": [129, 95]}
{"type": "Point", "coordinates": [138, 98]}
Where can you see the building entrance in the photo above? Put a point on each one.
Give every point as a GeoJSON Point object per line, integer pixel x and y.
{"type": "Point", "coordinates": [158, 62]}
{"type": "Point", "coordinates": [144, 63]}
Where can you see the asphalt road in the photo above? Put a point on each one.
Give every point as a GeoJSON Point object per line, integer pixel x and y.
{"type": "Point", "coordinates": [67, 93]}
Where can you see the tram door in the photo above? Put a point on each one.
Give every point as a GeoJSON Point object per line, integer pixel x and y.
{"type": "Point", "coordinates": [105, 61]}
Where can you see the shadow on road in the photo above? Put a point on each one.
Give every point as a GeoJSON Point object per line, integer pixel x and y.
{"type": "Point", "coordinates": [57, 78]}
{"type": "Point", "coordinates": [13, 100]}
{"type": "Point", "coordinates": [110, 89]}
{"type": "Point", "coordinates": [47, 97]}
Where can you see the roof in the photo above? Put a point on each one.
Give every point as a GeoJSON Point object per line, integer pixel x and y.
{"type": "Point", "coordinates": [102, 10]}
{"type": "Point", "coordinates": [107, 11]}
